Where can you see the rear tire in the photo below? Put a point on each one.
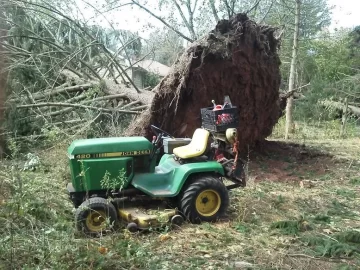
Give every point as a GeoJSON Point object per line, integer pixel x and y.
{"type": "Point", "coordinates": [95, 216]}
{"type": "Point", "coordinates": [205, 198]}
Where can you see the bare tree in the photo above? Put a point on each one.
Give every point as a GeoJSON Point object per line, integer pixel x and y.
{"type": "Point", "coordinates": [290, 99]}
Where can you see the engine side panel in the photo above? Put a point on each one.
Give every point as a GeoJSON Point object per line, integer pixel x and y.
{"type": "Point", "coordinates": [102, 173]}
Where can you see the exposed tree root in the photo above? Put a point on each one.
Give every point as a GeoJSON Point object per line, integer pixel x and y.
{"type": "Point", "coordinates": [238, 58]}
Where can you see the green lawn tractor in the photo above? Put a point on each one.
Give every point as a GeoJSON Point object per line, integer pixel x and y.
{"type": "Point", "coordinates": [143, 184]}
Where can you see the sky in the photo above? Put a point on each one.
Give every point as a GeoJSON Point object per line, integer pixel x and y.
{"type": "Point", "coordinates": [345, 13]}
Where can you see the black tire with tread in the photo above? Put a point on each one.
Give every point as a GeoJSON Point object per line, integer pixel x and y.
{"type": "Point", "coordinates": [191, 190]}
{"type": "Point", "coordinates": [94, 204]}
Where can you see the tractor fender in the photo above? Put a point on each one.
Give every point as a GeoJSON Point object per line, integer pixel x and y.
{"type": "Point", "coordinates": [186, 171]}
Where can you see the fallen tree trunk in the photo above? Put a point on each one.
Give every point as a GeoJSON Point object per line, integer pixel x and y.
{"type": "Point", "coordinates": [111, 88]}
{"type": "Point", "coordinates": [339, 106]}
{"type": "Point", "coordinates": [59, 104]}
{"type": "Point", "coordinates": [238, 58]}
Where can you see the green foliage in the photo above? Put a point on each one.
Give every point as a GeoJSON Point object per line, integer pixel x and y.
{"type": "Point", "coordinates": [321, 218]}
{"type": "Point", "coordinates": [331, 55]}
{"type": "Point", "coordinates": [308, 127]}
{"type": "Point", "coordinates": [331, 64]}
{"type": "Point", "coordinates": [355, 181]}
{"type": "Point", "coordinates": [165, 45]}
{"type": "Point", "coordinates": [45, 44]}
{"type": "Point", "coordinates": [279, 201]}
{"type": "Point", "coordinates": [290, 227]}
{"type": "Point", "coordinates": [13, 147]}
{"type": "Point", "coordinates": [150, 79]}
{"type": "Point", "coordinates": [347, 267]}
{"type": "Point", "coordinates": [340, 209]}
{"type": "Point", "coordinates": [116, 183]}
{"type": "Point", "coordinates": [344, 244]}
{"type": "Point", "coordinates": [349, 236]}
{"type": "Point", "coordinates": [51, 133]}
{"type": "Point", "coordinates": [346, 193]}
{"type": "Point", "coordinates": [242, 228]}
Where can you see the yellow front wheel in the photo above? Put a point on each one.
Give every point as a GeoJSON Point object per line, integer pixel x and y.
{"type": "Point", "coordinates": [204, 198]}
{"type": "Point", "coordinates": [96, 221]}
{"type": "Point", "coordinates": [95, 216]}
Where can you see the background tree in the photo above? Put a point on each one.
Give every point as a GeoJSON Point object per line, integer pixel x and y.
{"type": "Point", "coordinates": [295, 49]}
{"type": "Point", "coordinates": [165, 45]}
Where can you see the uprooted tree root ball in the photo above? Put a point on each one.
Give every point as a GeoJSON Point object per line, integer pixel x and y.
{"type": "Point", "coordinates": [238, 58]}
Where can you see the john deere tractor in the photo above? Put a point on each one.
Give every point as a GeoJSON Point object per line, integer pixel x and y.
{"type": "Point", "coordinates": [124, 180]}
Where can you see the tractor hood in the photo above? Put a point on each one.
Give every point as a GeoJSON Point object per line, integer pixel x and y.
{"type": "Point", "coordinates": [109, 147]}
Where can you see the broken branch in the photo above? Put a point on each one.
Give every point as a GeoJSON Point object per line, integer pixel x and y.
{"type": "Point", "coordinates": [52, 92]}
{"type": "Point", "coordinates": [292, 92]}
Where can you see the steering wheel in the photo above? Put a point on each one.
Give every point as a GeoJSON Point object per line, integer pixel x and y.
{"type": "Point", "coordinates": [157, 131]}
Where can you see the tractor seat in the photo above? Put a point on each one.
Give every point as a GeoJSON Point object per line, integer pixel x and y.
{"type": "Point", "coordinates": [196, 147]}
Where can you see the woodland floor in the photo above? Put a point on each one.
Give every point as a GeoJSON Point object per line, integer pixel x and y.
{"type": "Point", "coordinates": [300, 210]}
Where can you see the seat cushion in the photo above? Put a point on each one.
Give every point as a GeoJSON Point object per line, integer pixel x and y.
{"type": "Point", "coordinates": [196, 147]}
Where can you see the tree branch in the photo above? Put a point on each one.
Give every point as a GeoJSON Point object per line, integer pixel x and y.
{"type": "Point", "coordinates": [228, 8]}
{"type": "Point", "coordinates": [52, 92]}
{"type": "Point", "coordinates": [253, 7]}
{"type": "Point", "coordinates": [292, 92]}
{"type": "Point", "coordinates": [213, 9]}
{"type": "Point", "coordinates": [60, 104]}
{"type": "Point", "coordinates": [267, 12]}
{"type": "Point", "coordinates": [162, 20]}
{"type": "Point", "coordinates": [86, 102]}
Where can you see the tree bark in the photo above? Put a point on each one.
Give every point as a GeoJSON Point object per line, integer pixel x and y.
{"type": "Point", "coordinates": [290, 100]}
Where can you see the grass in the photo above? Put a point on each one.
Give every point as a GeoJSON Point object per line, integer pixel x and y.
{"type": "Point", "coordinates": [318, 130]}
{"type": "Point", "coordinates": [273, 223]}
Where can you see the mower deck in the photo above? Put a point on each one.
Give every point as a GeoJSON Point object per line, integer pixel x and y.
{"type": "Point", "coordinates": [145, 218]}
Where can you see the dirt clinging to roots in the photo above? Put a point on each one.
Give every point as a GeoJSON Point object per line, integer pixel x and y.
{"type": "Point", "coordinates": [238, 58]}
